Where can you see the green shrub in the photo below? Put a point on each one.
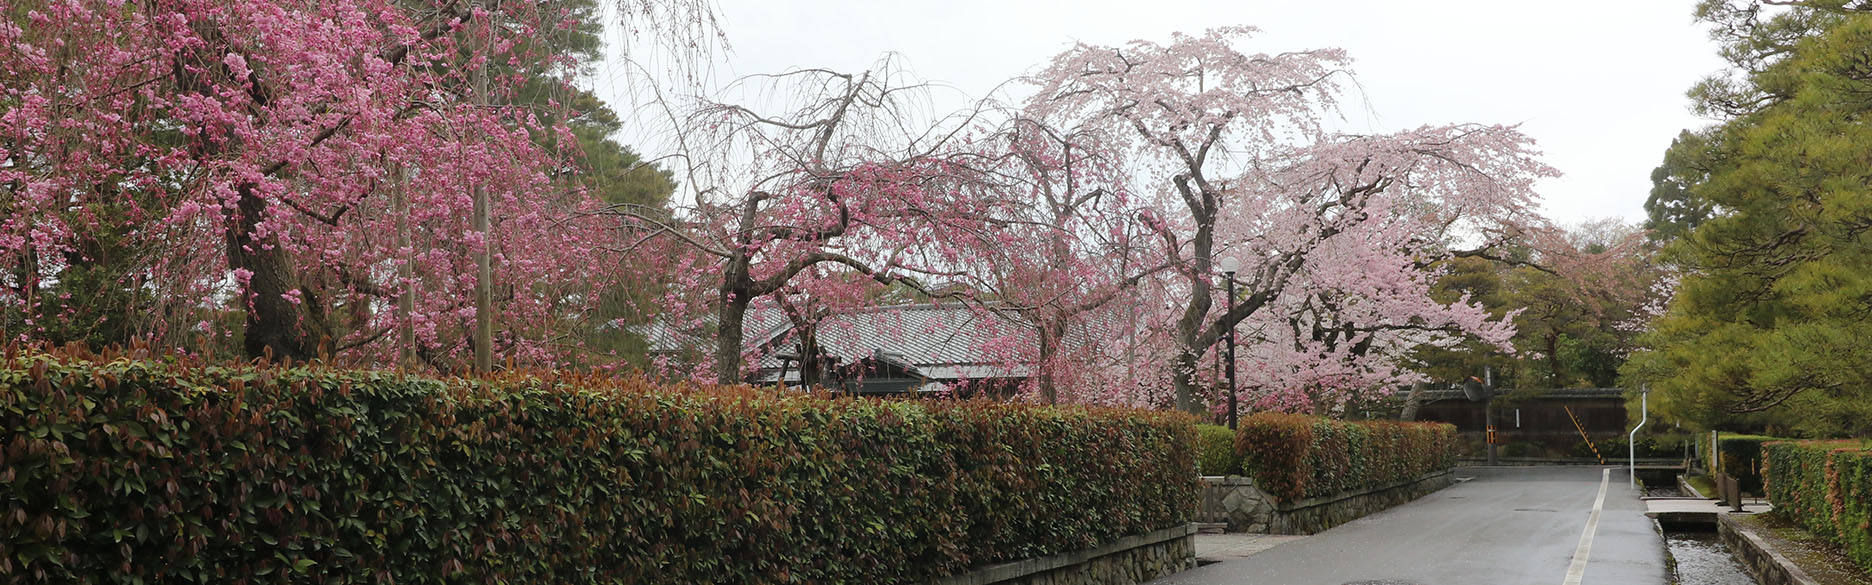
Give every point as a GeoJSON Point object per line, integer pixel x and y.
{"type": "Point", "coordinates": [1293, 457]}
{"type": "Point", "coordinates": [1825, 486]}
{"type": "Point", "coordinates": [1797, 483]}
{"type": "Point", "coordinates": [162, 472]}
{"type": "Point", "coordinates": [1742, 459]}
{"type": "Point", "coordinates": [1851, 495]}
{"type": "Point", "coordinates": [1663, 445]}
{"type": "Point", "coordinates": [1275, 449]}
{"type": "Point", "coordinates": [1606, 448]}
{"type": "Point", "coordinates": [1215, 448]}
{"type": "Point", "coordinates": [1522, 449]}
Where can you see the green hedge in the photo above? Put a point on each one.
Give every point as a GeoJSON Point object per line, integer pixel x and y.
{"type": "Point", "coordinates": [1825, 486]}
{"type": "Point", "coordinates": [1293, 457]}
{"type": "Point", "coordinates": [157, 472]}
{"type": "Point", "coordinates": [1741, 458]}
{"type": "Point", "coordinates": [1215, 448]}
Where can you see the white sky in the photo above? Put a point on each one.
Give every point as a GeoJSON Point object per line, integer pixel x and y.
{"type": "Point", "coordinates": [1601, 88]}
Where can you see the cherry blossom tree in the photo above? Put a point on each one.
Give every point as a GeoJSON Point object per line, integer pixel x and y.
{"type": "Point", "coordinates": [1230, 149]}
{"type": "Point", "coordinates": [849, 180]}
{"type": "Point", "coordinates": [1351, 320]}
{"type": "Point", "coordinates": [1067, 263]}
{"type": "Point", "coordinates": [1580, 295]}
{"type": "Point", "coordinates": [311, 162]}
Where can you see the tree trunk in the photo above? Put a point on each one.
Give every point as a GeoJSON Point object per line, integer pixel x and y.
{"type": "Point", "coordinates": [1184, 377]}
{"type": "Point", "coordinates": [28, 277]}
{"type": "Point", "coordinates": [812, 361]}
{"type": "Point", "coordinates": [1189, 331]}
{"type": "Point", "coordinates": [1553, 361]}
{"type": "Point", "coordinates": [276, 326]}
{"type": "Point", "coordinates": [812, 358]}
{"type": "Point", "coordinates": [1052, 331]}
{"type": "Point", "coordinates": [1412, 401]}
{"type": "Point", "coordinates": [728, 324]}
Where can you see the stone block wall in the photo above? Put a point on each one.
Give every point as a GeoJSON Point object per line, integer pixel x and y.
{"type": "Point", "coordinates": [1235, 501]}
{"type": "Point", "coordinates": [1766, 564]}
{"type": "Point", "coordinates": [1131, 560]}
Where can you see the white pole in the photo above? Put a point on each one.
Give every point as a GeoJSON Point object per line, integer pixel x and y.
{"type": "Point", "coordinates": [1631, 443]}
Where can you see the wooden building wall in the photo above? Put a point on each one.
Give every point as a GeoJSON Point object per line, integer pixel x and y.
{"type": "Point", "coordinates": [1600, 416]}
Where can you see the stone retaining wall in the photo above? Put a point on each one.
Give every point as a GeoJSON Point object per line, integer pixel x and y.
{"type": "Point", "coordinates": [1235, 501]}
{"type": "Point", "coordinates": [1129, 561]}
{"type": "Point", "coordinates": [1762, 560]}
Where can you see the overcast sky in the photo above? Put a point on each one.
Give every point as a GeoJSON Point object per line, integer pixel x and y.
{"type": "Point", "coordinates": [1601, 87]}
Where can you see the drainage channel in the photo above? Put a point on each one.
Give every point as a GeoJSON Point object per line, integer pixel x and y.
{"type": "Point", "coordinates": [1699, 555]}
{"type": "Point", "coordinates": [1701, 558]}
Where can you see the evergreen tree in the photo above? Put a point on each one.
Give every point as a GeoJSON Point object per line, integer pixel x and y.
{"type": "Point", "coordinates": [1770, 323]}
{"type": "Point", "coordinates": [1672, 210]}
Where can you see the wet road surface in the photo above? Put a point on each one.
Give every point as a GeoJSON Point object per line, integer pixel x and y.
{"type": "Point", "coordinates": [1510, 525]}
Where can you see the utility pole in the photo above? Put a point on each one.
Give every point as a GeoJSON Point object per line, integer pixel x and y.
{"type": "Point", "coordinates": [406, 275]}
{"type": "Point", "coordinates": [484, 257]}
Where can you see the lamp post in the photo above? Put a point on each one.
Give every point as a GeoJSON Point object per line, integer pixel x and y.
{"type": "Point", "coordinates": [1631, 444]}
{"type": "Point", "coordinates": [1483, 390]}
{"type": "Point", "coordinates": [1488, 412]}
{"type": "Point", "coordinates": [1229, 266]}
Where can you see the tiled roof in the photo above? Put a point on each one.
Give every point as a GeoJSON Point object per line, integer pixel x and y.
{"type": "Point", "coordinates": [941, 341]}
{"type": "Point", "coordinates": [661, 337]}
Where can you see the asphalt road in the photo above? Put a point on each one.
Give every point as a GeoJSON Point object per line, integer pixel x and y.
{"type": "Point", "coordinates": [1510, 525]}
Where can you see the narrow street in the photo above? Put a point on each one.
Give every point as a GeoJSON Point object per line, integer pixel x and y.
{"type": "Point", "coordinates": [1509, 525]}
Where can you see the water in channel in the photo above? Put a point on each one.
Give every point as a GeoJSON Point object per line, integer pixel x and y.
{"type": "Point", "coordinates": [1701, 555]}
{"type": "Point", "coordinates": [1703, 559]}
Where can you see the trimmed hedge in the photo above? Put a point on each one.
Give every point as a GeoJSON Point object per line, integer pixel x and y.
{"type": "Point", "coordinates": [161, 472]}
{"type": "Point", "coordinates": [1215, 448]}
{"type": "Point", "coordinates": [1825, 486]}
{"type": "Point", "coordinates": [1294, 457]}
{"type": "Point", "coordinates": [1741, 458]}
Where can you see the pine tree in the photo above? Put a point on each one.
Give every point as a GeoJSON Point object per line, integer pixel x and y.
{"type": "Point", "coordinates": [1770, 324]}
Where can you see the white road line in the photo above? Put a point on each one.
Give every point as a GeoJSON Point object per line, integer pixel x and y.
{"type": "Point", "coordinates": [1577, 570]}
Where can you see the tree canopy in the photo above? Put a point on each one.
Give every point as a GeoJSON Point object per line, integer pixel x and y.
{"type": "Point", "coordinates": [1334, 233]}
{"type": "Point", "coordinates": [307, 179]}
{"type": "Point", "coordinates": [1672, 211]}
{"type": "Point", "coordinates": [1769, 325]}
{"type": "Point", "coordinates": [305, 166]}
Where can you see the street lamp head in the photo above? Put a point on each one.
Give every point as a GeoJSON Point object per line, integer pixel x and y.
{"type": "Point", "coordinates": [1230, 265]}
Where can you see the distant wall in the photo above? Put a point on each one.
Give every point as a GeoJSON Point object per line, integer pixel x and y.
{"type": "Point", "coordinates": [1600, 416]}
